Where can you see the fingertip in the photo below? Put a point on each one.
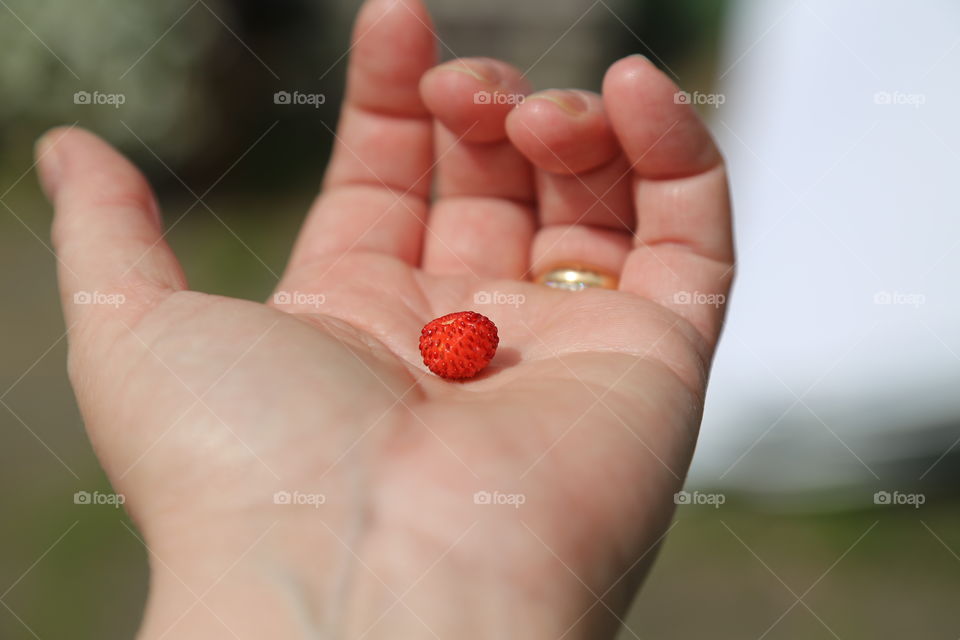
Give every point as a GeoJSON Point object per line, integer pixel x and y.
{"type": "Point", "coordinates": [393, 45]}
{"type": "Point", "coordinates": [661, 133]}
{"type": "Point", "coordinates": [563, 131]}
{"type": "Point", "coordinates": [106, 228]}
{"type": "Point", "coordinates": [484, 70]}
{"type": "Point", "coordinates": [91, 166]}
{"type": "Point", "coordinates": [636, 78]}
{"type": "Point", "coordinates": [50, 136]}
{"type": "Point", "coordinates": [635, 68]}
{"type": "Point", "coordinates": [374, 11]}
{"type": "Point", "coordinates": [571, 102]}
{"type": "Point", "coordinates": [472, 97]}
{"type": "Point", "coordinates": [47, 158]}
{"type": "Point", "coordinates": [91, 177]}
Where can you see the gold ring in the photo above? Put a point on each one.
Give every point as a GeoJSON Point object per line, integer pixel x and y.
{"type": "Point", "coordinates": [576, 276]}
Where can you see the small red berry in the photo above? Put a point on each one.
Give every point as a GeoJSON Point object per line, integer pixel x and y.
{"type": "Point", "coordinates": [458, 345]}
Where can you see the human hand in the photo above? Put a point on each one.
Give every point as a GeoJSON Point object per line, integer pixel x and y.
{"type": "Point", "coordinates": [201, 408]}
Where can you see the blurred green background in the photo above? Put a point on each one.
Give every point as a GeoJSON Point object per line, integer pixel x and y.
{"type": "Point", "coordinates": [198, 80]}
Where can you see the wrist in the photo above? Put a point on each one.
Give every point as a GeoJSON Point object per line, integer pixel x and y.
{"type": "Point", "coordinates": [212, 584]}
{"type": "Point", "coordinates": [274, 581]}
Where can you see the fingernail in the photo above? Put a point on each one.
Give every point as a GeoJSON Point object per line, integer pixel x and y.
{"type": "Point", "coordinates": [48, 165]}
{"type": "Point", "coordinates": [480, 70]}
{"type": "Point", "coordinates": [568, 100]}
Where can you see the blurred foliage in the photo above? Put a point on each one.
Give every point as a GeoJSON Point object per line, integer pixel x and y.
{"type": "Point", "coordinates": [108, 46]}
{"type": "Point", "coordinates": [737, 572]}
{"type": "Point", "coordinates": [197, 79]}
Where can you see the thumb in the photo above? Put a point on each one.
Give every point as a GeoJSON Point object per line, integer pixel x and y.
{"type": "Point", "coordinates": [112, 260]}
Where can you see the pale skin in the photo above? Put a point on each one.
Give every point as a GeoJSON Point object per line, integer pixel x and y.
{"type": "Point", "coordinates": [201, 408]}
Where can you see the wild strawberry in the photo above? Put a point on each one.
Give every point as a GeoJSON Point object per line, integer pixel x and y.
{"type": "Point", "coordinates": [458, 345]}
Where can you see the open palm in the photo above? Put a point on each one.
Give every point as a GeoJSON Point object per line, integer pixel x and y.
{"type": "Point", "coordinates": [203, 408]}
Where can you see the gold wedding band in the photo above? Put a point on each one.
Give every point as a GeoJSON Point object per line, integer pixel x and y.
{"type": "Point", "coordinates": [576, 277]}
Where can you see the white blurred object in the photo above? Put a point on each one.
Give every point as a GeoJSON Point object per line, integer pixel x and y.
{"type": "Point", "coordinates": [841, 131]}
